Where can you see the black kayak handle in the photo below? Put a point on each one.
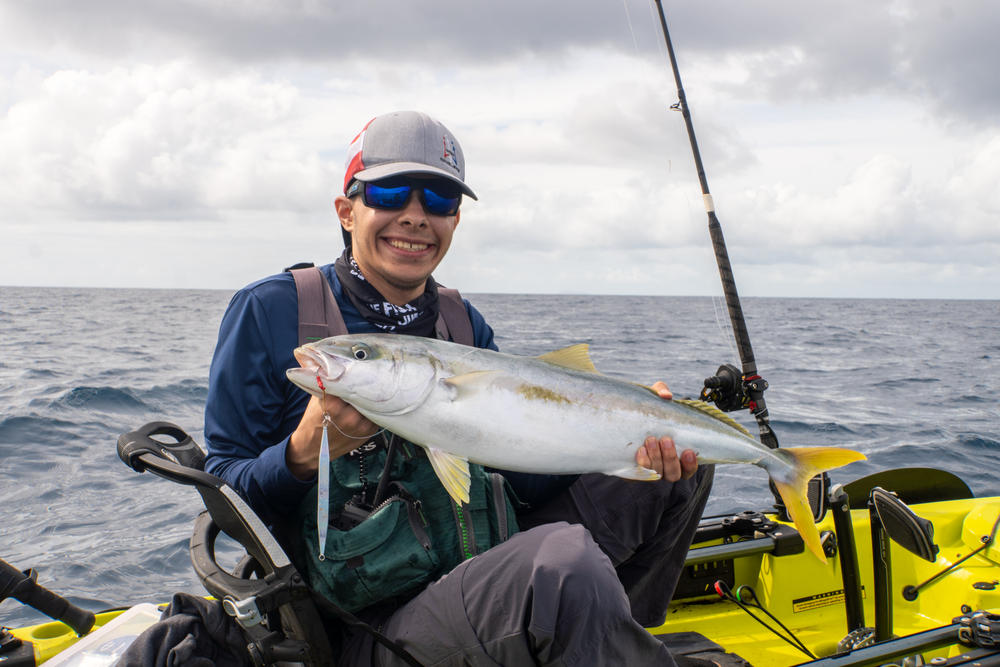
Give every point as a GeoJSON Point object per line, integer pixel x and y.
{"type": "Point", "coordinates": [23, 586]}
{"type": "Point", "coordinates": [182, 449]}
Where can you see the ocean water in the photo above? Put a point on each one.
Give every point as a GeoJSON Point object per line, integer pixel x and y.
{"type": "Point", "coordinates": [909, 383]}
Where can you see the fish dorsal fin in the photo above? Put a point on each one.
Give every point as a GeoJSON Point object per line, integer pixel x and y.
{"type": "Point", "coordinates": [453, 471]}
{"type": "Point", "coordinates": [576, 357]}
{"type": "Point", "coordinates": [713, 411]}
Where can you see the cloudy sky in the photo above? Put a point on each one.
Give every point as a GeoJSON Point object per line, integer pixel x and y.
{"type": "Point", "coordinates": [853, 148]}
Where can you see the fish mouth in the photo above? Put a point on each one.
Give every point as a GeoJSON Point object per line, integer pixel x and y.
{"type": "Point", "coordinates": [321, 366]}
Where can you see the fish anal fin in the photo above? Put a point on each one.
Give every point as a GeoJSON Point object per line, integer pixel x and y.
{"type": "Point", "coordinates": [576, 357]}
{"type": "Point", "coordinates": [807, 462]}
{"type": "Point", "coordinates": [711, 411]}
{"type": "Point", "coordinates": [637, 472]}
{"type": "Point", "coordinates": [453, 471]}
{"type": "Point", "coordinates": [797, 505]}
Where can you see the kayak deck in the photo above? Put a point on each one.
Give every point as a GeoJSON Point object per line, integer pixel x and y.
{"type": "Point", "coordinates": [808, 596]}
{"type": "Point", "coordinates": [49, 639]}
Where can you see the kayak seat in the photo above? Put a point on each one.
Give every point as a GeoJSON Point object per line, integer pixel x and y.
{"type": "Point", "coordinates": [911, 485]}
{"type": "Point", "coordinates": [265, 594]}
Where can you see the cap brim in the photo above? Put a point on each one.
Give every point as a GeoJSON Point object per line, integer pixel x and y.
{"type": "Point", "coordinates": [399, 168]}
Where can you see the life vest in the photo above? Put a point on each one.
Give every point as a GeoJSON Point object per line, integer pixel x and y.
{"type": "Point", "coordinates": [417, 533]}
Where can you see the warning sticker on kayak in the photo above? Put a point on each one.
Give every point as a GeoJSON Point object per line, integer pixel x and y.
{"type": "Point", "coordinates": [820, 600]}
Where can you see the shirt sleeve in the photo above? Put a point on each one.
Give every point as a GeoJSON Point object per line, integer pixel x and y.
{"type": "Point", "coordinates": [482, 333]}
{"type": "Point", "coordinates": [249, 412]}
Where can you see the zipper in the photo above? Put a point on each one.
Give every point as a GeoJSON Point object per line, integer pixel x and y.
{"type": "Point", "coordinates": [466, 539]}
{"type": "Point", "coordinates": [414, 513]}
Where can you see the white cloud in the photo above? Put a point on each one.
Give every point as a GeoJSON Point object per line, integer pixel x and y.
{"type": "Point", "coordinates": [192, 132]}
{"type": "Point", "coordinates": [160, 142]}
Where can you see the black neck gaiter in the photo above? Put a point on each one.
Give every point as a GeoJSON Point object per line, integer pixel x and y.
{"type": "Point", "coordinates": [416, 318]}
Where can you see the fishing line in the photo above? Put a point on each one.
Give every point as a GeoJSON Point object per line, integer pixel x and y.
{"type": "Point", "coordinates": [356, 437]}
{"type": "Point", "coordinates": [628, 19]}
{"type": "Point", "coordinates": [725, 328]}
{"type": "Point", "coordinates": [653, 20]}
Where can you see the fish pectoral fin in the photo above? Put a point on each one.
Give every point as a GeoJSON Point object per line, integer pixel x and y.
{"type": "Point", "coordinates": [576, 357]}
{"type": "Point", "coordinates": [637, 472]}
{"type": "Point", "coordinates": [453, 471]}
{"type": "Point", "coordinates": [457, 385]}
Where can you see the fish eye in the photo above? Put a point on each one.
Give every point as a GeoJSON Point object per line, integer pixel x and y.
{"type": "Point", "coordinates": [361, 352]}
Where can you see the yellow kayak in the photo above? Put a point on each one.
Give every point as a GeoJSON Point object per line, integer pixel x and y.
{"type": "Point", "coordinates": [912, 577]}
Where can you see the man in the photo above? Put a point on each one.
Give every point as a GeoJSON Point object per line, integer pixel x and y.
{"type": "Point", "coordinates": [597, 557]}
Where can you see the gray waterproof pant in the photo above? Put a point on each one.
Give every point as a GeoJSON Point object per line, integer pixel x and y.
{"type": "Point", "coordinates": [575, 587]}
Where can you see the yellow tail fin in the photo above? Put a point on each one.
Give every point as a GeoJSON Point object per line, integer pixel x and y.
{"type": "Point", "coordinates": [807, 462]}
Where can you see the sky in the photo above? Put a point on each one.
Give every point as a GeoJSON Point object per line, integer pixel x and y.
{"type": "Point", "coordinates": [852, 148]}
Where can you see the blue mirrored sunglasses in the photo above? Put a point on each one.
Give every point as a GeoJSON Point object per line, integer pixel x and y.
{"type": "Point", "coordinates": [438, 196]}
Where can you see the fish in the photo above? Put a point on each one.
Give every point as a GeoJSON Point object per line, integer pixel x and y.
{"type": "Point", "coordinates": [550, 414]}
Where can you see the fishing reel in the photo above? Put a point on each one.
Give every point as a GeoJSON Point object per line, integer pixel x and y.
{"type": "Point", "coordinates": [730, 390]}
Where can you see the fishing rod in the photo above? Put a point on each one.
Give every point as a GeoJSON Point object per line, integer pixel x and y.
{"type": "Point", "coordinates": [728, 389]}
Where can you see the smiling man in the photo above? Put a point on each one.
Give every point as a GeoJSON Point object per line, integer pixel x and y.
{"type": "Point", "coordinates": [569, 578]}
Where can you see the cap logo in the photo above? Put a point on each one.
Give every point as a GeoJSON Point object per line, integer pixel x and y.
{"type": "Point", "coordinates": [450, 155]}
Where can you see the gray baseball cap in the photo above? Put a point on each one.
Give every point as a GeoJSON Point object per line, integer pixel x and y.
{"type": "Point", "coordinates": [405, 142]}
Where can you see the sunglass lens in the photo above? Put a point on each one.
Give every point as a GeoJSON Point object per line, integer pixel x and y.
{"type": "Point", "coordinates": [441, 199]}
{"type": "Point", "coordinates": [386, 195]}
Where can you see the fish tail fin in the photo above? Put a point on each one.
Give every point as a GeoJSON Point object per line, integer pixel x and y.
{"type": "Point", "coordinates": [807, 462]}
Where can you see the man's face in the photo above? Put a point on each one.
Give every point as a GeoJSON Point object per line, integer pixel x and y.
{"type": "Point", "coordinates": [396, 250]}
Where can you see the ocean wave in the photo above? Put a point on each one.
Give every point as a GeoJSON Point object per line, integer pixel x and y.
{"type": "Point", "coordinates": [104, 399]}
{"type": "Point", "coordinates": [185, 390]}
{"type": "Point", "coordinates": [974, 398]}
{"type": "Point", "coordinates": [34, 428]}
{"type": "Point", "coordinates": [38, 374]}
{"type": "Point", "coordinates": [896, 383]}
{"type": "Point", "coordinates": [977, 441]}
{"type": "Point", "coordinates": [824, 428]}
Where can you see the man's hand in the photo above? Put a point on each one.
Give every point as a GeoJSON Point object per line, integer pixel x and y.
{"type": "Point", "coordinates": [349, 430]}
{"type": "Point", "coordinates": [660, 454]}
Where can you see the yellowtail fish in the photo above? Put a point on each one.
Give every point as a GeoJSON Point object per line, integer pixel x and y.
{"type": "Point", "coordinates": [552, 414]}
